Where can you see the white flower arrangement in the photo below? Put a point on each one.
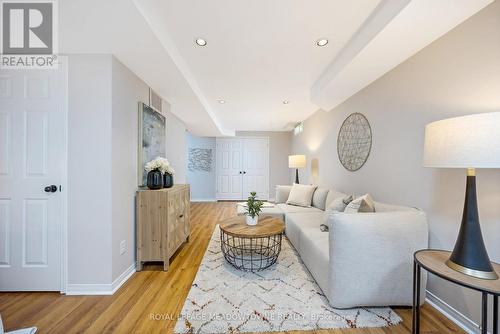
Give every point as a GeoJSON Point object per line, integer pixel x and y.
{"type": "Point", "coordinates": [159, 164]}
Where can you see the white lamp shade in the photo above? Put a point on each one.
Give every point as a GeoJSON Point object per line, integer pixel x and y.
{"type": "Point", "coordinates": [463, 142]}
{"type": "Point", "coordinates": [296, 161]}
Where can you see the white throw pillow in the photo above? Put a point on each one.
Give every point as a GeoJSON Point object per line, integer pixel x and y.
{"type": "Point", "coordinates": [340, 203]}
{"type": "Point", "coordinates": [282, 193]}
{"type": "Point", "coordinates": [301, 195]}
{"type": "Point", "coordinates": [361, 204]}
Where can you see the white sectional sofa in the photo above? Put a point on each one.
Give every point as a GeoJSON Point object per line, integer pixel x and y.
{"type": "Point", "coordinates": [365, 259]}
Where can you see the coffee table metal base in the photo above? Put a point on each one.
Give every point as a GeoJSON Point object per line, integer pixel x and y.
{"type": "Point", "coordinates": [251, 254]}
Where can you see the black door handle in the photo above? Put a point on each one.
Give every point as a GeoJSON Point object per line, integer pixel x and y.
{"type": "Point", "coordinates": [244, 172]}
{"type": "Point", "coordinates": [51, 189]}
{"type": "Point", "coordinates": [241, 172]}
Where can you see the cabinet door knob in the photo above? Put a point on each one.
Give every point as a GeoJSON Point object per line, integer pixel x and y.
{"type": "Point", "coordinates": [181, 216]}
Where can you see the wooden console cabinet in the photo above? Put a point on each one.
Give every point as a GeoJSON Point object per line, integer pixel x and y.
{"type": "Point", "coordinates": [162, 223]}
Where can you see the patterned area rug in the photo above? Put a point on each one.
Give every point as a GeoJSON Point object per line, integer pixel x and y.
{"type": "Point", "coordinates": [283, 297]}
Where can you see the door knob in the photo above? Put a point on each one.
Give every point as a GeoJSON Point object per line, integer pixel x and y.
{"type": "Point", "coordinates": [244, 172]}
{"type": "Point", "coordinates": [241, 172]}
{"type": "Point", "coordinates": [51, 189]}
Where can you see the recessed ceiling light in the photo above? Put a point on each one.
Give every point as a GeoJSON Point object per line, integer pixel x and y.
{"type": "Point", "coordinates": [201, 42]}
{"type": "Point", "coordinates": [286, 101]}
{"type": "Point", "coordinates": [322, 42]}
{"type": "Point", "coordinates": [221, 101]}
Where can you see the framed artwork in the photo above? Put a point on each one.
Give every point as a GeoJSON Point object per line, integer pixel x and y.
{"type": "Point", "coordinates": [152, 138]}
{"type": "Point", "coordinates": [200, 160]}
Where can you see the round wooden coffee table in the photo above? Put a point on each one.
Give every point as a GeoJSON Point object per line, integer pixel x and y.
{"type": "Point", "coordinates": [251, 248]}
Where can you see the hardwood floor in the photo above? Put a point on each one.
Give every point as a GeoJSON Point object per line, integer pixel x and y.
{"type": "Point", "coordinates": [150, 299]}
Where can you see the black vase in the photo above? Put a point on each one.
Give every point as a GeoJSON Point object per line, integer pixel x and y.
{"type": "Point", "coordinates": [168, 180]}
{"type": "Point", "coordinates": [155, 180]}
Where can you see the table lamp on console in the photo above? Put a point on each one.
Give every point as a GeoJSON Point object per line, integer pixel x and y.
{"type": "Point", "coordinates": [296, 161]}
{"type": "Point", "coordinates": [467, 142]}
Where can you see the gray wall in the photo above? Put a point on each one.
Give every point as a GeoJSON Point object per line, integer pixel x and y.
{"type": "Point", "coordinates": [279, 150]}
{"type": "Point", "coordinates": [458, 74]}
{"type": "Point", "coordinates": [202, 183]}
{"type": "Point", "coordinates": [102, 166]}
{"type": "Point", "coordinates": [176, 145]}
{"type": "Point", "coordinates": [127, 90]}
{"type": "Point", "coordinates": [89, 172]}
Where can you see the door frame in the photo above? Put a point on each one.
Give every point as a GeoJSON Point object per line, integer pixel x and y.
{"type": "Point", "coordinates": [63, 230]}
{"type": "Point", "coordinates": [268, 165]}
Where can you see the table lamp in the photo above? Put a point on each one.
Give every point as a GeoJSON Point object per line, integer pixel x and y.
{"type": "Point", "coordinates": [466, 142]}
{"type": "Point", "coordinates": [296, 161]}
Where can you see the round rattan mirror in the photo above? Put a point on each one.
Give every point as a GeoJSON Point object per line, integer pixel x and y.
{"type": "Point", "coordinates": [354, 142]}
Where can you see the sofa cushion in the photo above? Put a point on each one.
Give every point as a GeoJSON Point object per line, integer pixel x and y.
{"type": "Point", "coordinates": [361, 204]}
{"type": "Point", "coordinates": [286, 208]}
{"type": "Point", "coordinates": [301, 195]}
{"type": "Point", "coordinates": [319, 198]}
{"type": "Point", "coordinates": [314, 252]}
{"type": "Point", "coordinates": [382, 207]}
{"type": "Point", "coordinates": [295, 222]}
{"type": "Point", "coordinates": [282, 193]}
{"type": "Point", "coordinates": [340, 203]}
{"type": "Point", "coordinates": [303, 231]}
{"type": "Point", "coordinates": [332, 194]}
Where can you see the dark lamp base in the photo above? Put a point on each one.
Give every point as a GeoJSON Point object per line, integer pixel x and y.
{"type": "Point", "coordinates": [469, 255]}
{"type": "Point", "coordinates": [471, 272]}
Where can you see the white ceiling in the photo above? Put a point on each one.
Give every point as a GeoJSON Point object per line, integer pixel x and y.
{"type": "Point", "coordinates": [259, 52]}
{"type": "Point", "coordinates": [117, 27]}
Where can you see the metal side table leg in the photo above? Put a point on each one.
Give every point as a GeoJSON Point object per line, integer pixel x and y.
{"type": "Point", "coordinates": [495, 314]}
{"type": "Point", "coordinates": [484, 314]}
{"type": "Point", "coordinates": [416, 299]}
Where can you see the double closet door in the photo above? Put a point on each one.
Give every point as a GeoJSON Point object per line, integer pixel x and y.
{"type": "Point", "coordinates": [242, 167]}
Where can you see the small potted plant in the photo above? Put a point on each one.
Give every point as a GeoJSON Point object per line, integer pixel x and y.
{"type": "Point", "coordinates": [253, 208]}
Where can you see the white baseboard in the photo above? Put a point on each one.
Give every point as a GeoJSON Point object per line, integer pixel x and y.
{"type": "Point", "coordinates": [101, 289]}
{"type": "Point", "coordinates": [458, 318]}
{"type": "Point", "coordinates": [120, 280]}
{"type": "Point", "coordinates": [203, 200]}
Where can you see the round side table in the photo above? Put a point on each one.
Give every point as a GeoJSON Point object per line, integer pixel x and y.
{"type": "Point", "coordinates": [251, 248]}
{"type": "Point", "coordinates": [434, 262]}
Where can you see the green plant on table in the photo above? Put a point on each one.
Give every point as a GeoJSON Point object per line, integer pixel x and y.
{"type": "Point", "coordinates": [254, 206]}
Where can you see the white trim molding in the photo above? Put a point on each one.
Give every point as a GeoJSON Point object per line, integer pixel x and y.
{"type": "Point", "coordinates": [449, 312]}
{"type": "Point", "coordinates": [203, 200]}
{"type": "Point", "coordinates": [101, 289]}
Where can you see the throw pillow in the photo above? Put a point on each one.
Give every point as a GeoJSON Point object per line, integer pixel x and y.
{"type": "Point", "coordinates": [301, 195]}
{"type": "Point", "coordinates": [319, 198]}
{"type": "Point", "coordinates": [339, 204]}
{"type": "Point", "coordinates": [282, 193]}
{"type": "Point", "coordinates": [361, 204]}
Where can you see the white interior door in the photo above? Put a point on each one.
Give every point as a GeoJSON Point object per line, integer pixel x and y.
{"type": "Point", "coordinates": [229, 171]}
{"type": "Point", "coordinates": [32, 157]}
{"type": "Point", "coordinates": [256, 167]}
